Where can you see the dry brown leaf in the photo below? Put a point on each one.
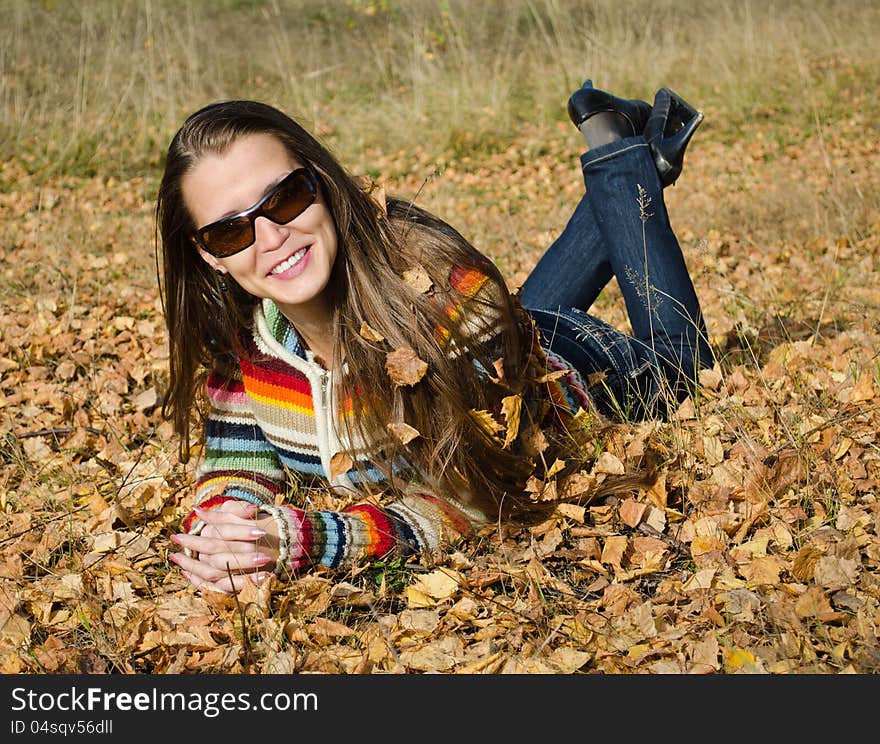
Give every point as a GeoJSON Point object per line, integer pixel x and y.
{"type": "Point", "coordinates": [418, 279]}
{"type": "Point", "coordinates": [498, 366]}
{"type": "Point", "coordinates": [555, 375]}
{"type": "Point", "coordinates": [379, 196]}
{"type": "Point", "coordinates": [403, 432]}
{"type": "Point", "coordinates": [613, 551]}
{"type": "Point", "coordinates": [486, 422]}
{"type": "Point", "coordinates": [370, 333]}
{"type": "Point", "coordinates": [404, 366]}
{"type": "Point", "coordinates": [511, 406]}
{"type": "Point", "coordinates": [340, 463]}
{"type": "Point", "coordinates": [533, 440]}
{"type": "Point", "coordinates": [609, 463]}
{"type": "Point", "coordinates": [631, 512]}
{"type": "Point", "coordinates": [322, 626]}
{"type": "Point", "coordinates": [572, 511]}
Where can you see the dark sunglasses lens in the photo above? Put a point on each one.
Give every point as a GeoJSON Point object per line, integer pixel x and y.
{"type": "Point", "coordinates": [228, 237]}
{"type": "Point", "coordinates": [294, 195]}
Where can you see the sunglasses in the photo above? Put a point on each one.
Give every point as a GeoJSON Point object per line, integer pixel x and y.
{"type": "Point", "coordinates": [286, 201]}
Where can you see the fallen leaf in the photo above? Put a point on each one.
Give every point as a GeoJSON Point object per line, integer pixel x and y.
{"type": "Point", "coordinates": [631, 512]}
{"type": "Point", "coordinates": [614, 550]}
{"type": "Point", "coordinates": [145, 400]}
{"type": "Point", "coordinates": [511, 406]}
{"type": "Point", "coordinates": [340, 463]}
{"type": "Point", "coordinates": [330, 628]}
{"type": "Point", "coordinates": [609, 463]}
{"type": "Point", "coordinates": [418, 279]}
{"type": "Point", "coordinates": [370, 334]}
{"type": "Point", "coordinates": [498, 366]}
{"type": "Point", "coordinates": [403, 432]}
{"type": "Point", "coordinates": [572, 511]}
{"type": "Point", "coordinates": [554, 375]}
{"type": "Point", "coordinates": [439, 584]}
{"type": "Point", "coordinates": [486, 422]}
{"type": "Point", "coordinates": [404, 366]}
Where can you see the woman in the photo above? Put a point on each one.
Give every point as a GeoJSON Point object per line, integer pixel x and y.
{"type": "Point", "coordinates": [331, 341]}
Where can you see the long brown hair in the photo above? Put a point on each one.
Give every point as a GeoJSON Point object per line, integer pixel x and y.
{"type": "Point", "coordinates": [376, 246]}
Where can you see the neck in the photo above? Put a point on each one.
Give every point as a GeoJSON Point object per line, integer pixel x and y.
{"type": "Point", "coordinates": [313, 323]}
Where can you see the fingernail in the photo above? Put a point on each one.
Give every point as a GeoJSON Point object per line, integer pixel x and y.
{"type": "Point", "coordinates": [173, 557]}
{"type": "Point", "coordinates": [258, 533]}
{"type": "Point", "coordinates": [260, 559]}
{"type": "Point", "coordinates": [261, 577]}
{"type": "Point", "coordinates": [175, 539]}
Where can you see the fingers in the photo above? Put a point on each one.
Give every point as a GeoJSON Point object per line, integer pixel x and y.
{"type": "Point", "coordinates": [228, 538]}
{"type": "Point", "coordinates": [232, 540]}
{"type": "Point", "coordinates": [227, 579]}
{"type": "Point", "coordinates": [242, 556]}
{"type": "Point", "coordinates": [230, 512]}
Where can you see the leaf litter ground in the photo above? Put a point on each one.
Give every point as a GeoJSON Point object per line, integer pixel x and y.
{"type": "Point", "coordinates": [755, 550]}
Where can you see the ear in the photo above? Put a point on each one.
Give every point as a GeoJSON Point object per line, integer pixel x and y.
{"type": "Point", "coordinates": [207, 257]}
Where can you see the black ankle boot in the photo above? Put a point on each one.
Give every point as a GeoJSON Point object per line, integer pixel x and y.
{"type": "Point", "coordinates": [586, 102]}
{"type": "Point", "coordinates": [670, 127]}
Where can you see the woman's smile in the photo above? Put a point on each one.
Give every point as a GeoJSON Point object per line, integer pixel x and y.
{"type": "Point", "coordinates": [293, 265]}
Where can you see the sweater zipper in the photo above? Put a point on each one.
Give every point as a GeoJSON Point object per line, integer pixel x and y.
{"type": "Point", "coordinates": [329, 423]}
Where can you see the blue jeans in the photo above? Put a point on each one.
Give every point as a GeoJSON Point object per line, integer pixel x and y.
{"type": "Point", "coordinates": [620, 228]}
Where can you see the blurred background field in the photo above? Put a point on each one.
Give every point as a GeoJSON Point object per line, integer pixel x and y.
{"type": "Point", "coordinates": [460, 105]}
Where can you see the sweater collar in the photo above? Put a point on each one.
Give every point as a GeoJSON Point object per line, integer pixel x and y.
{"type": "Point", "coordinates": [281, 329]}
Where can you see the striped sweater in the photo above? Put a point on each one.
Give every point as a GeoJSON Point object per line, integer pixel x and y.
{"type": "Point", "coordinates": [272, 427]}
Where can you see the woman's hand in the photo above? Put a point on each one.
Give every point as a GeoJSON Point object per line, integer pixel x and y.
{"type": "Point", "coordinates": [234, 546]}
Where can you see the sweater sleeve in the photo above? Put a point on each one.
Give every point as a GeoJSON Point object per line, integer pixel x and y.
{"type": "Point", "coordinates": [413, 524]}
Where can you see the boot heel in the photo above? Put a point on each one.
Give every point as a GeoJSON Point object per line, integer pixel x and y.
{"type": "Point", "coordinates": [670, 128]}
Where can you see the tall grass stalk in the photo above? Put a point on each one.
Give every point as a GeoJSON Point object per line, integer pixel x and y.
{"type": "Point", "coordinates": [100, 85]}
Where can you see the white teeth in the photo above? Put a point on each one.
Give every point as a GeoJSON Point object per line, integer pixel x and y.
{"type": "Point", "coordinates": [290, 262]}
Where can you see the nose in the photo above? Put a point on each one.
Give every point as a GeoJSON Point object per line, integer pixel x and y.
{"type": "Point", "coordinates": [269, 236]}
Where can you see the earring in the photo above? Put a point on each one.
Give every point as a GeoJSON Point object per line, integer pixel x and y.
{"type": "Point", "coordinates": [222, 278]}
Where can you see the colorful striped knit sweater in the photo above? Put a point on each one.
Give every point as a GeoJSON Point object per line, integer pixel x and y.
{"type": "Point", "coordinates": [272, 423]}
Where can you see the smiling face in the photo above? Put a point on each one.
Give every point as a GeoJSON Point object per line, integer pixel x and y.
{"type": "Point", "coordinates": [289, 264]}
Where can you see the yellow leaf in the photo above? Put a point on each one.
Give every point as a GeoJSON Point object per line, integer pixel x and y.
{"type": "Point", "coordinates": [735, 658]}
{"type": "Point", "coordinates": [511, 407]}
{"type": "Point", "coordinates": [440, 583]}
{"type": "Point", "coordinates": [486, 422]}
{"type": "Point", "coordinates": [370, 333]}
{"type": "Point", "coordinates": [416, 598]}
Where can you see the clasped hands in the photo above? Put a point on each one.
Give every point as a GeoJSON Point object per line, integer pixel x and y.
{"type": "Point", "coordinates": [236, 544]}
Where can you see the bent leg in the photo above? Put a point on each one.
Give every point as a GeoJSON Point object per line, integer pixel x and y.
{"type": "Point", "coordinates": [626, 197]}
